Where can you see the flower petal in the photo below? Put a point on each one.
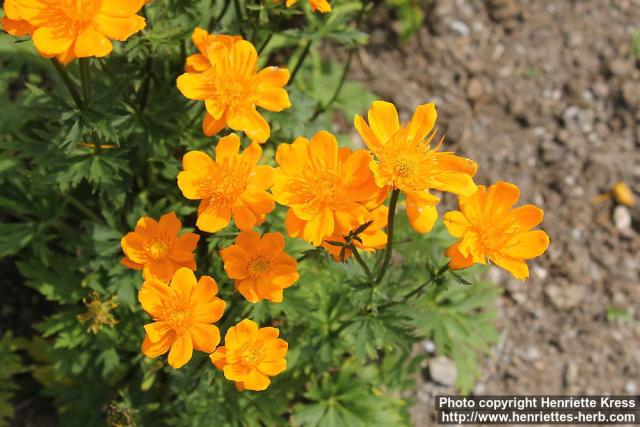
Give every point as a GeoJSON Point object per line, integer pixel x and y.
{"type": "Point", "coordinates": [517, 267]}
{"type": "Point", "coordinates": [119, 28]}
{"type": "Point", "coordinates": [183, 282]}
{"type": "Point", "coordinates": [458, 261]}
{"type": "Point", "coordinates": [528, 216]}
{"type": "Point", "coordinates": [181, 351]}
{"type": "Point", "coordinates": [155, 349]}
{"type": "Point", "coordinates": [383, 120]}
{"type": "Point", "coordinates": [92, 42]}
{"type": "Point", "coordinates": [422, 122]}
{"type": "Point", "coordinates": [152, 295]}
{"type": "Point", "coordinates": [456, 223]}
{"type": "Point", "coordinates": [243, 58]}
{"type": "Point", "coordinates": [256, 381]}
{"type": "Point", "coordinates": [206, 289]}
{"type": "Point", "coordinates": [209, 312]}
{"type": "Point", "coordinates": [250, 122]}
{"type": "Point", "coordinates": [211, 126]}
{"type": "Point", "coordinates": [205, 337]}
{"type": "Point", "coordinates": [194, 86]}
{"type": "Point", "coordinates": [527, 245]}
{"type": "Point", "coordinates": [52, 40]}
{"type": "Point", "coordinates": [170, 223]}
{"type": "Point", "coordinates": [421, 211]}
{"type": "Point", "coordinates": [228, 147]}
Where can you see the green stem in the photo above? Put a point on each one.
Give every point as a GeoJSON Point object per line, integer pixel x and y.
{"type": "Point", "coordinates": [338, 88]}
{"type": "Point", "coordinates": [298, 65]}
{"type": "Point", "coordinates": [265, 43]}
{"type": "Point", "coordinates": [390, 223]}
{"type": "Point", "coordinates": [363, 264]}
{"type": "Point", "coordinates": [345, 70]}
{"type": "Point", "coordinates": [144, 90]}
{"type": "Point", "coordinates": [82, 208]}
{"type": "Point", "coordinates": [239, 16]}
{"type": "Point", "coordinates": [85, 78]}
{"type": "Point", "coordinates": [216, 19]}
{"type": "Point", "coordinates": [68, 82]}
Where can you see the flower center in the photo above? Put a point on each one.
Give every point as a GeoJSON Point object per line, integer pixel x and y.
{"type": "Point", "coordinates": [495, 233]}
{"type": "Point", "coordinates": [258, 266]}
{"type": "Point", "coordinates": [324, 186]}
{"type": "Point", "coordinates": [158, 249]}
{"type": "Point", "coordinates": [403, 167]}
{"type": "Point", "coordinates": [81, 10]}
{"type": "Point", "coordinates": [251, 355]}
{"type": "Point", "coordinates": [179, 315]}
{"type": "Point", "coordinates": [233, 93]}
{"type": "Point", "coordinates": [225, 182]}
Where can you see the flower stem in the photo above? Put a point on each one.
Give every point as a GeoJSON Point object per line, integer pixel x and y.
{"type": "Point", "coordinates": [363, 264]}
{"type": "Point", "coordinates": [390, 222]}
{"type": "Point", "coordinates": [338, 89]}
{"type": "Point", "coordinates": [146, 85]}
{"type": "Point", "coordinates": [68, 82]}
{"type": "Point", "coordinates": [216, 19]}
{"type": "Point", "coordinates": [85, 78]}
{"type": "Point", "coordinates": [321, 109]}
{"type": "Point", "coordinates": [81, 207]}
{"type": "Point", "coordinates": [239, 16]}
{"type": "Point", "coordinates": [265, 43]}
{"type": "Point", "coordinates": [298, 65]}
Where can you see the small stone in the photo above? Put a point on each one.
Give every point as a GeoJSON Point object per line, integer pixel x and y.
{"type": "Point", "coordinates": [540, 272]}
{"type": "Point", "coordinates": [622, 219]}
{"type": "Point", "coordinates": [620, 67]}
{"type": "Point", "coordinates": [565, 297]}
{"type": "Point", "coordinates": [429, 347]}
{"type": "Point", "coordinates": [474, 89]}
{"type": "Point", "coordinates": [443, 371]}
{"type": "Point", "coordinates": [630, 387]}
{"type": "Point", "coordinates": [459, 28]}
{"type": "Point", "coordinates": [570, 373]}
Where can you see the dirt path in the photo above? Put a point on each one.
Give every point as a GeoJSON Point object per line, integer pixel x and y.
{"type": "Point", "coordinates": [544, 94]}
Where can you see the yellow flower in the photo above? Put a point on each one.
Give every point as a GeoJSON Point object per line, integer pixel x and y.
{"type": "Point", "coordinates": [232, 184]}
{"type": "Point", "coordinates": [156, 248]}
{"type": "Point", "coordinates": [183, 312]}
{"type": "Point", "coordinates": [373, 237]}
{"type": "Point", "coordinates": [260, 266]}
{"type": "Point", "coordinates": [490, 228]}
{"type": "Point", "coordinates": [405, 160]}
{"type": "Point", "coordinates": [324, 186]}
{"type": "Point", "coordinates": [204, 41]}
{"type": "Point", "coordinates": [69, 29]}
{"type": "Point", "coordinates": [251, 355]}
{"type": "Point", "coordinates": [322, 6]}
{"type": "Point", "coordinates": [232, 89]}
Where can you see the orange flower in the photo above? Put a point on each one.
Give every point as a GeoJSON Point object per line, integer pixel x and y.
{"type": "Point", "coordinates": [231, 184]}
{"type": "Point", "coordinates": [232, 89]}
{"type": "Point", "coordinates": [204, 41]}
{"type": "Point", "coordinates": [373, 237]}
{"type": "Point", "coordinates": [69, 29]}
{"type": "Point", "coordinates": [324, 186]}
{"type": "Point", "coordinates": [404, 160]}
{"type": "Point", "coordinates": [260, 266]}
{"type": "Point", "coordinates": [156, 248]}
{"type": "Point", "coordinates": [489, 227]}
{"type": "Point", "coordinates": [183, 313]}
{"type": "Point", "coordinates": [251, 355]}
{"type": "Point", "coordinates": [321, 6]}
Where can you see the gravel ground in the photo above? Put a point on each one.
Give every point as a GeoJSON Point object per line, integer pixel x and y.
{"type": "Point", "coordinates": [544, 94]}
